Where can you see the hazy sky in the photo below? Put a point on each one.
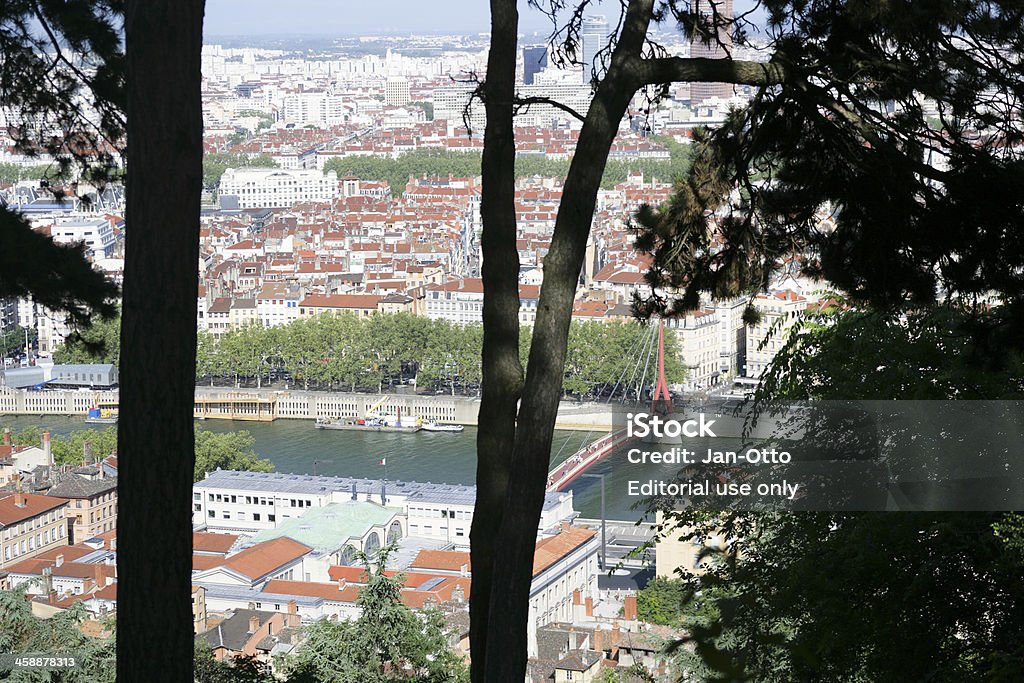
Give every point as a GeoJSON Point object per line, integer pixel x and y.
{"type": "Point", "coordinates": [253, 17]}
{"type": "Point", "coordinates": [339, 17]}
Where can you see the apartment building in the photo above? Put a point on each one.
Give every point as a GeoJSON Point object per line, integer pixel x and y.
{"type": "Point", "coordinates": [778, 314]}
{"type": "Point", "coordinates": [92, 503]}
{"type": "Point", "coordinates": [248, 502]}
{"type": "Point", "coordinates": [698, 335]}
{"type": "Point", "coordinates": [258, 188]}
{"type": "Point", "coordinates": [30, 524]}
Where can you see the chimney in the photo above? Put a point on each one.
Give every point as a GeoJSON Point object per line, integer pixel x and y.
{"type": "Point", "coordinates": [7, 436]}
{"type": "Point", "coordinates": [575, 598]}
{"type": "Point", "coordinates": [87, 453]}
{"type": "Point", "coordinates": [19, 498]}
{"type": "Point", "coordinates": [293, 608]}
{"type": "Point", "coordinates": [590, 607]}
{"type": "Point", "coordinates": [46, 448]}
{"type": "Point", "coordinates": [59, 561]}
{"type": "Point", "coordinates": [254, 623]}
{"type": "Point", "coordinates": [629, 608]}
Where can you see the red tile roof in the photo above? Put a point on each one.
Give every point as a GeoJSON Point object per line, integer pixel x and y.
{"type": "Point", "coordinates": [444, 560]}
{"type": "Point", "coordinates": [220, 544]}
{"type": "Point", "coordinates": [34, 505]}
{"type": "Point", "coordinates": [264, 558]}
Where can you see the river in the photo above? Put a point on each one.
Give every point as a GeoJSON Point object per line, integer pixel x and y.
{"type": "Point", "coordinates": [295, 446]}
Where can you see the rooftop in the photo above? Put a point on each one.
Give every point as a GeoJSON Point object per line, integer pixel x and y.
{"type": "Point", "coordinates": [331, 526]}
{"type": "Point", "coordinates": [32, 505]}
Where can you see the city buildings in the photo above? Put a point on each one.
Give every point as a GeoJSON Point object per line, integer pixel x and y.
{"type": "Point", "coordinates": [535, 60]}
{"type": "Point", "coordinates": [92, 502]}
{"type": "Point", "coordinates": [276, 188]}
{"type": "Point", "coordinates": [594, 34]}
{"type": "Point", "coordinates": [30, 524]}
{"type": "Point", "coordinates": [717, 44]}
{"type": "Point", "coordinates": [250, 502]}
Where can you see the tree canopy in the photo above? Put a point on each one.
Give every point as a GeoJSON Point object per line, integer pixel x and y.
{"type": "Point", "coordinates": [63, 78]}
{"type": "Point", "coordinates": [387, 642]}
{"type": "Point", "coordinates": [427, 162]}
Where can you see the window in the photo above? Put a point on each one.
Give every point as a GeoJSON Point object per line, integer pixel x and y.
{"type": "Point", "coordinates": [255, 516]}
{"type": "Point", "coordinates": [271, 518]}
{"type": "Point", "coordinates": [212, 514]}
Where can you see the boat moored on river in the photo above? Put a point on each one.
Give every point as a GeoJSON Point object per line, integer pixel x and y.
{"type": "Point", "coordinates": [435, 427]}
{"type": "Point", "coordinates": [372, 424]}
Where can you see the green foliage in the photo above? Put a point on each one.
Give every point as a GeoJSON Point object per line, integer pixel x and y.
{"type": "Point", "coordinates": [58, 277]}
{"type": "Point", "coordinates": [428, 162]}
{"type": "Point", "coordinates": [661, 601]}
{"type": "Point", "coordinates": [350, 352]}
{"type": "Point", "coordinates": [242, 669]}
{"type": "Point", "coordinates": [12, 173]}
{"type": "Point", "coordinates": [214, 165]}
{"type": "Point", "coordinates": [388, 642]}
{"type": "Point", "coordinates": [930, 354]}
{"type": "Point", "coordinates": [905, 229]}
{"type": "Point", "coordinates": [227, 451]}
{"type": "Point", "coordinates": [60, 60]}
{"type": "Point", "coordinates": [780, 610]}
{"type": "Point", "coordinates": [427, 106]}
{"type": "Point", "coordinates": [14, 340]}
{"type": "Point", "coordinates": [784, 609]}
{"type": "Point", "coordinates": [23, 633]}
{"type": "Point", "coordinates": [99, 342]}
{"type": "Point", "coordinates": [70, 450]}
{"type": "Point", "coordinates": [266, 120]}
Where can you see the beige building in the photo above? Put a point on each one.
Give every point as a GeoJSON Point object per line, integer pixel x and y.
{"type": "Point", "coordinates": [199, 616]}
{"type": "Point", "coordinates": [92, 503]}
{"type": "Point", "coordinates": [30, 524]}
{"type": "Point", "coordinates": [698, 335]}
{"type": "Point", "coordinates": [362, 305]}
{"type": "Point", "coordinates": [676, 552]}
{"type": "Point", "coordinates": [242, 314]}
{"type": "Point", "coordinates": [779, 312]}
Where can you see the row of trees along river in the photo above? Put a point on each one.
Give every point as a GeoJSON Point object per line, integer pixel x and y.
{"type": "Point", "coordinates": [376, 352]}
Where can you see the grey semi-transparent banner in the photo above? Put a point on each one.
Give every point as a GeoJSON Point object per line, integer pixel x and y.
{"type": "Point", "coordinates": [827, 455]}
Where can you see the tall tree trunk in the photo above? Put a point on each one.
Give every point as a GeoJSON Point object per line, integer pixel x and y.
{"type": "Point", "coordinates": [514, 444]}
{"type": "Point", "coordinates": [525, 487]}
{"type": "Point", "coordinates": [502, 378]}
{"type": "Point", "coordinates": [163, 41]}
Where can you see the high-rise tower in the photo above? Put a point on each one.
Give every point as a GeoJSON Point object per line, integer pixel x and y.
{"type": "Point", "coordinates": [594, 36]}
{"type": "Point", "coordinates": [535, 59]}
{"type": "Point", "coordinates": [716, 49]}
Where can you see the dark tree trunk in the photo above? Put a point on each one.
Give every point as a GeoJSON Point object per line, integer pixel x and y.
{"type": "Point", "coordinates": [502, 379]}
{"type": "Point", "coordinates": [514, 442]}
{"type": "Point", "coordinates": [163, 41]}
{"type": "Point", "coordinates": [521, 505]}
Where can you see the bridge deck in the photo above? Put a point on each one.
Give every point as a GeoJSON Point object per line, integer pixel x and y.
{"type": "Point", "coordinates": [578, 463]}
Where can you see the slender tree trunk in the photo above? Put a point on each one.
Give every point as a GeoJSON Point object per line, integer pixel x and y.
{"type": "Point", "coordinates": [517, 532]}
{"type": "Point", "coordinates": [514, 447]}
{"type": "Point", "coordinates": [158, 340]}
{"type": "Point", "coordinates": [502, 378]}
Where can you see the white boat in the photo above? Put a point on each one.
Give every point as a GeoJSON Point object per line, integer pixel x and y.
{"type": "Point", "coordinates": [434, 427]}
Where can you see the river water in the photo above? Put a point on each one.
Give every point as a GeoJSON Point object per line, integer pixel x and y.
{"type": "Point", "coordinates": [295, 446]}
